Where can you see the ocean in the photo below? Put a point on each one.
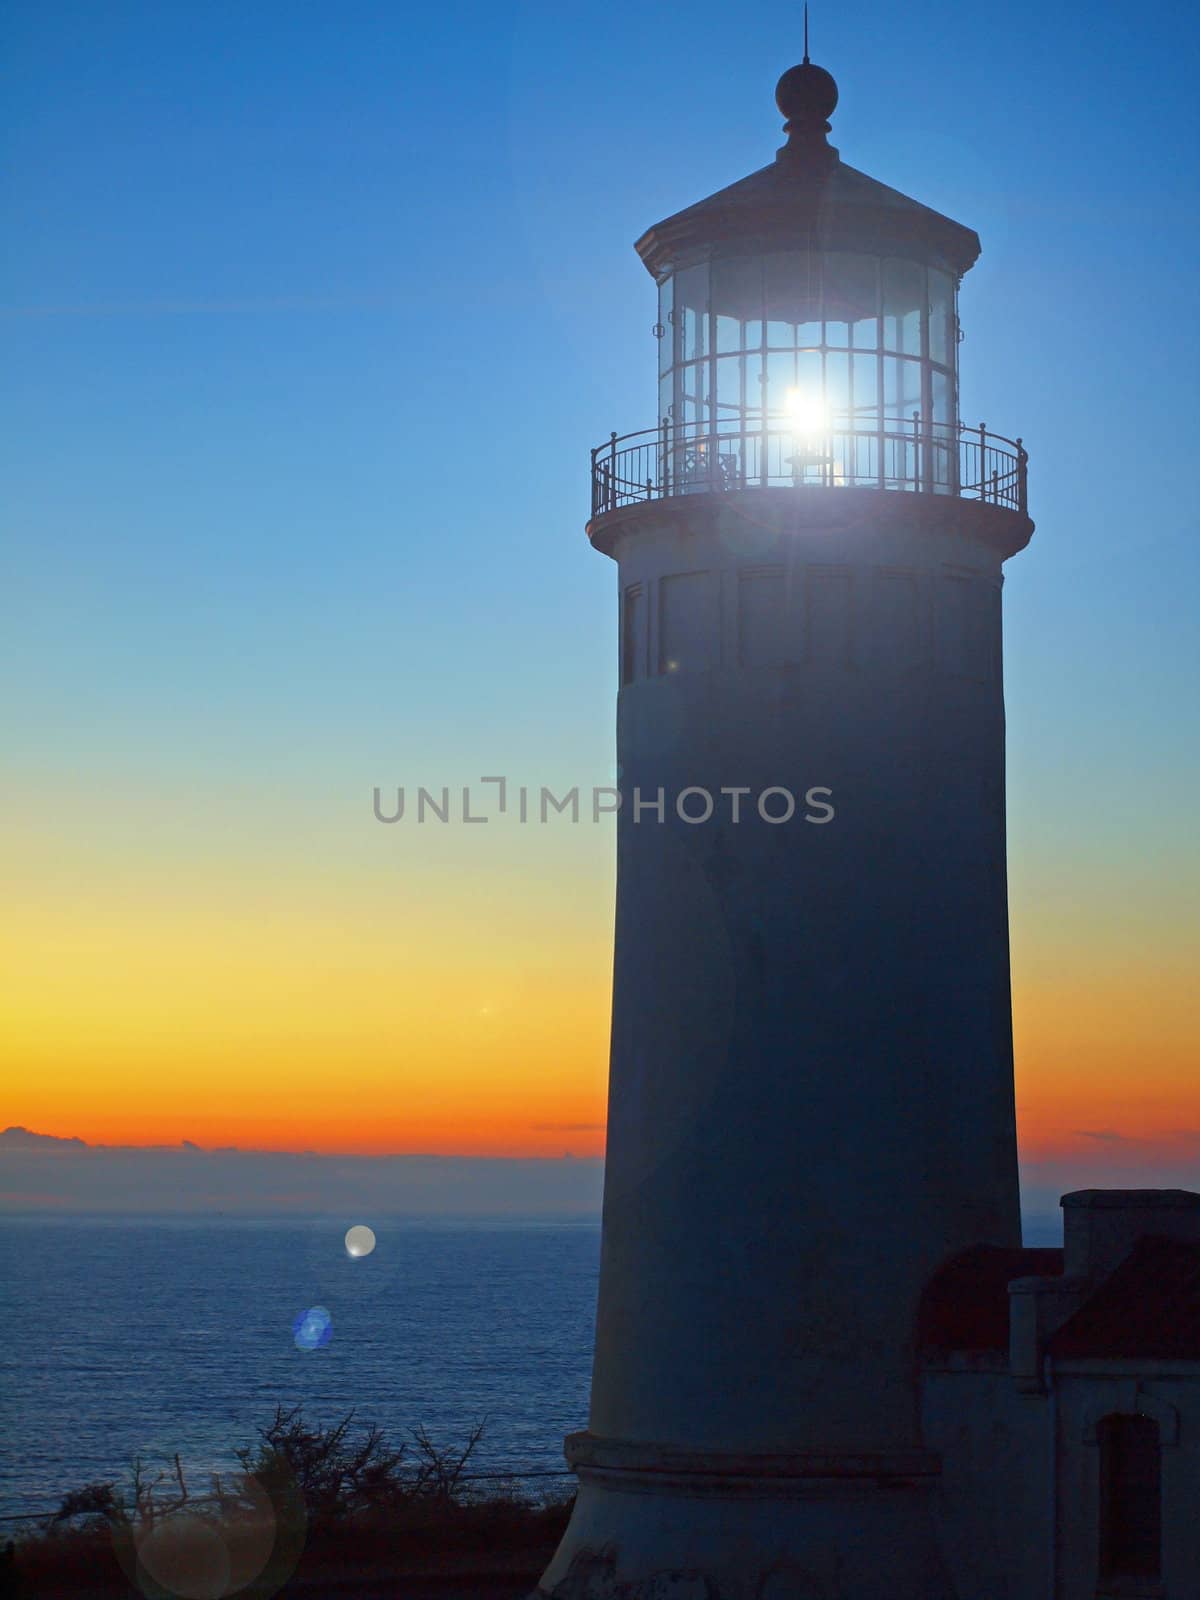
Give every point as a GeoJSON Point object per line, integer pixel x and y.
{"type": "Point", "coordinates": [127, 1337]}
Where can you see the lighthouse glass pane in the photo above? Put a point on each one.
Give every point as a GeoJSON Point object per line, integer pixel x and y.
{"type": "Point", "coordinates": [837, 334]}
{"type": "Point", "coordinates": [666, 396]}
{"type": "Point", "coordinates": [837, 388]}
{"type": "Point", "coordinates": [941, 314]}
{"type": "Point", "coordinates": [691, 312]}
{"type": "Point", "coordinates": [695, 394]}
{"type": "Point", "coordinates": [666, 348]}
{"type": "Point", "coordinates": [943, 443]}
{"type": "Point", "coordinates": [866, 308]}
{"type": "Point", "coordinates": [781, 377]}
{"type": "Point", "coordinates": [850, 293]}
{"type": "Point", "coordinates": [940, 389]}
{"type": "Point", "coordinates": [901, 388]}
{"type": "Point", "coordinates": [903, 305]}
{"type": "Point", "coordinates": [793, 299]}
{"type": "Point", "coordinates": [865, 372]}
{"type": "Point", "coordinates": [729, 390]}
{"type": "Point", "coordinates": [737, 297]}
{"type": "Point", "coordinates": [755, 386]}
{"type": "Point", "coordinates": [808, 395]}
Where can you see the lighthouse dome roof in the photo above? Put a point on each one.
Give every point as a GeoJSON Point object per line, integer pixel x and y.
{"type": "Point", "coordinates": [808, 198]}
{"type": "Point", "coordinates": [795, 205]}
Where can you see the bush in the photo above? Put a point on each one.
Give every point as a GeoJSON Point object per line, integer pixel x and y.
{"type": "Point", "coordinates": [339, 1475]}
{"type": "Point", "coordinates": [337, 1498]}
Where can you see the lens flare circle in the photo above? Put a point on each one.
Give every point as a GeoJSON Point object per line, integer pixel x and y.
{"type": "Point", "coordinates": [312, 1329]}
{"type": "Point", "coordinates": [244, 1540]}
{"type": "Point", "coordinates": [185, 1557]}
{"type": "Point", "coordinates": [360, 1240]}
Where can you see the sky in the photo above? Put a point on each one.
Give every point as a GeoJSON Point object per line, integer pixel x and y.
{"type": "Point", "coordinates": [311, 315]}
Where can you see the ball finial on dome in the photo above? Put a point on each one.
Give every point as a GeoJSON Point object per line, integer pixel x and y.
{"type": "Point", "coordinates": [807, 96]}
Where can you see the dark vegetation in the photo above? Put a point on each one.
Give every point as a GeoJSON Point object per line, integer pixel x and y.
{"type": "Point", "coordinates": [331, 1510]}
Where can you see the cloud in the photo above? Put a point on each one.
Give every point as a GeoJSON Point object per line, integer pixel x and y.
{"type": "Point", "coordinates": [1106, 1136]}
{"type": "Point", "coordinates": [17, 1138]}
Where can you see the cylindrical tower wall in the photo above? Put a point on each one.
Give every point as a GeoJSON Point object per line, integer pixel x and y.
{"type": "Point", "coordinates": [811, 1098]}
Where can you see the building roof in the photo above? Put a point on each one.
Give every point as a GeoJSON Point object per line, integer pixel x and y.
{"type": "Point", "coordinates": [793, 204]}
{"type": "Point", "coordinates": [965, 1304]}
{"type": "Point", "coordinates": [1148, 1308]}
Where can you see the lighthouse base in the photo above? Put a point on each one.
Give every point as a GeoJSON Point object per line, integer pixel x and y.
{"type": "Point", "coordinates": [652, 1523]}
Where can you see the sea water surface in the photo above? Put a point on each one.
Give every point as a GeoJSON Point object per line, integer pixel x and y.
{"type": "Point", "coordinates": [127, 1337]}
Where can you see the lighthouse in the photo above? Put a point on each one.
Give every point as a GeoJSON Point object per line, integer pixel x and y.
{"type": "Point", "coordinates": [811, 1083]}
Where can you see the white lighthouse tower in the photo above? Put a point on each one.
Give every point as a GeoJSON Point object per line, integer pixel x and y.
{"type": "Point", "coordinates": [811, 1095]}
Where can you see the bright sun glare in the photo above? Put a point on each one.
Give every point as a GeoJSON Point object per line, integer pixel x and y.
{"type": "Point", "coordinates": [806, 411]}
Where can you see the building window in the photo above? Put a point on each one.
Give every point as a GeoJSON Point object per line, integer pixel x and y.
{"type": "Point", "coordinates": [1130, 1498]}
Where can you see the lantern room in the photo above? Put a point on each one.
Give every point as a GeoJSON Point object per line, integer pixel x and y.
{"type": "Point", "coordinates": [808, 337]}
{"type": "Point", "coordinates": [816, 343]}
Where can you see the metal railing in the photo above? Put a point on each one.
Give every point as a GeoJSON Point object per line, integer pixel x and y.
{"type": "Point", "coordinates": [896, 453]}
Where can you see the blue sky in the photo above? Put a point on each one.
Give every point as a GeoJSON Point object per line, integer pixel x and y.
{"type": "Point", "coordinates": [313, 311]}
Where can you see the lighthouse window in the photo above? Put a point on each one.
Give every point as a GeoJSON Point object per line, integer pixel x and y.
{"type": "Point", "coordinates": [817, 343]}
{"type": "Point", "coordinates": [901, 386]}
{"type": "Point", "coordinates": [804, 402]}
{"type": "Point", "coordinates": [865, 371]}
{"type": "Point", "coordinates": [837, 385]}
{"type": "Point", "coordinates": [793, 293]}
{"type": "Point", "coordinates": [696, 395]}
{"type": "Point", "coordinates": [940, 395]}
{"type": "Point", "coordinates": [850, 301]}
{"type": "Point", "coordinates": [1130, 1498]}
{"type": "Point", "coordinates": [737, 294]}
{"type": "Point", "coordinates": [941, 317]}
{"type": "Point", "coordinates": [691, 312]}
{"type": "Point", "coordinates": [729, 385]}
{"type": "Point", "coordinates": [781, 380]}
{"type": "Point", "coordinates": [755, 386]}
{"type": "Point", "coordinates": [941, 444]}
{"type": "Point", "coordinates": [903, 304]}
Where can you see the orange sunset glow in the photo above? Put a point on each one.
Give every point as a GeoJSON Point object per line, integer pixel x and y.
{"type": "Point", "coordinates": [243, 1010]}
